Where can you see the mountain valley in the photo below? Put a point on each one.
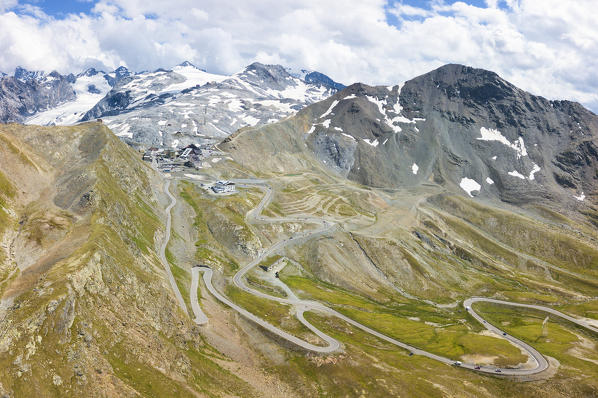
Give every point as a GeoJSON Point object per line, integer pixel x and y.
{"type": "Point", "coordinates": [329, 249]}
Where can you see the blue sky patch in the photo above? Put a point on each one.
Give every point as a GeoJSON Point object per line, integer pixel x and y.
{"type": "Point", "coordinates": [61, 8]}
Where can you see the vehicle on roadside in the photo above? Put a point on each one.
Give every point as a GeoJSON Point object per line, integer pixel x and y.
{"type": "Point", "coordinates": [457, 363]}
{"type": "Point", "coordinates": [477, 367]}
{"type": "Point", "coordinates": [498, 371]}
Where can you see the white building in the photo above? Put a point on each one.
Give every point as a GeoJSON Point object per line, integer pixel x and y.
{"type": "Point", "coordinates": [186, 153]}
{"type": "Point", "coordinates": [223, 187]}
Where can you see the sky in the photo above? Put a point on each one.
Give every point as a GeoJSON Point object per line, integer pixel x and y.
{"type": "Point", "coordinates": [547, 47]}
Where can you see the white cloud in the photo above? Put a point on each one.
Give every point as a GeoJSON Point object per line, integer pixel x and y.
{"type": "Point", "coordinates": [545, 46]}
{"type": "Point", "coordinates": [7, 4]}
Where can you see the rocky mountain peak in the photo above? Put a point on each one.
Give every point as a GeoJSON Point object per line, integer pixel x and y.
{"type": "Point", "coordinates": [267, 68]}
{"type": "Point", "coordinates": [476, 86]}
{"type": "Point", "coordinates": [26, 75]}
{"type": "Point", "coordinates": [117, 75]}
{"type": "Point", "coordinates": [275, 76]}
{"type": "Point", "coordinates": [453, 73]}
{"type": "Point", "coordinates": [89, 72]}
{"type": "Point", "coordinates": [298, 73]}
{"type": "Point", "coordinates": [323, 80]}
{"type": "Point", "coordinates": [121, 72]}
{"type": "Point", "coordinates": [186, 64]}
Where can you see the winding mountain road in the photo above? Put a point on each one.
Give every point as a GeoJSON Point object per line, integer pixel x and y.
{"type": "Point", "coordinates": [542, 363]}
{"type": "Point", "coordinates": [333, 345]}
{"type": "Point", "coordinates": [165, 241]}
{"type": "Point", "coordinates": [302, 306]}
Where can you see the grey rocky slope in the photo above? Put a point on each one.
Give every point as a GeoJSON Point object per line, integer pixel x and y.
{"type": "Point", "coordinates": [188, 105]}
{"type": "Point", "coordinates": [464, 128]}
{"type": "Point", "coordinates": [26, 93]}
{"type": "Point", "coordinates": [37, 97]}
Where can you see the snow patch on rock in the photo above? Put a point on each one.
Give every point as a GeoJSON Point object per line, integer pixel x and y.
{"type": "Point", "coordinates": [494, 135]}
{"type": "Point", "coordinates": [334, 103]}
{"type": "Point", "coordinates": [580, 197]}
{"type": "Point", "coordinates": [250, 120]}
{"type": "Point", "coordinates": [517, 174]}
{"type": "Point", "coordinates": [535, 169]}
{"type": "Point", "coordinates": [469, 185]}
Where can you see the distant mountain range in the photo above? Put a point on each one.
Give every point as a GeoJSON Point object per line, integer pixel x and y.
{"type": "Point", "coordinates": [166, 107]}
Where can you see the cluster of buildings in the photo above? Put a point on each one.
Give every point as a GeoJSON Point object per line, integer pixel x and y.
{"type": "Point", "coordinates": [169, 160]}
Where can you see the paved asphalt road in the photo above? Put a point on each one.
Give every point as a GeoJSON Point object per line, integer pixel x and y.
{"type": "Point", "coordinates": [541, 362]}
{"type": "Point", "coordinates": [162, 253]}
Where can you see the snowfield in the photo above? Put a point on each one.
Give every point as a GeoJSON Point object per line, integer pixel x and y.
{"type": "Point", "coordinates": [469, 185]}
{"type": "Point", "coordinates": [88, 91]}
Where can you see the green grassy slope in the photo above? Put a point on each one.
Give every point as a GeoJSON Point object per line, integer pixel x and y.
{"type": "Point", "coordinates": [101, 320]}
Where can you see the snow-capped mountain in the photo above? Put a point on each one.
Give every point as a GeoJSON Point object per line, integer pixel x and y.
{"type": "Point", "coordinates": [26, 93]}
{"type": "Point", "coordinates": [36, 97]}
{"type": "Point", "coordinates": [25, 75]}
{"type": "Point", "coordinates": [90, 87]}
{"type": "Point", "coordinates": [189, 105]}
{"type": "Point", "coordinates": [172, 107]}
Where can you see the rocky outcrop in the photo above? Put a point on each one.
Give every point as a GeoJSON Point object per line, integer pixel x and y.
{"type": "Point", "coordinates": [112, 104]}
{"type": "Point", "coordinates": [27, 93]}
